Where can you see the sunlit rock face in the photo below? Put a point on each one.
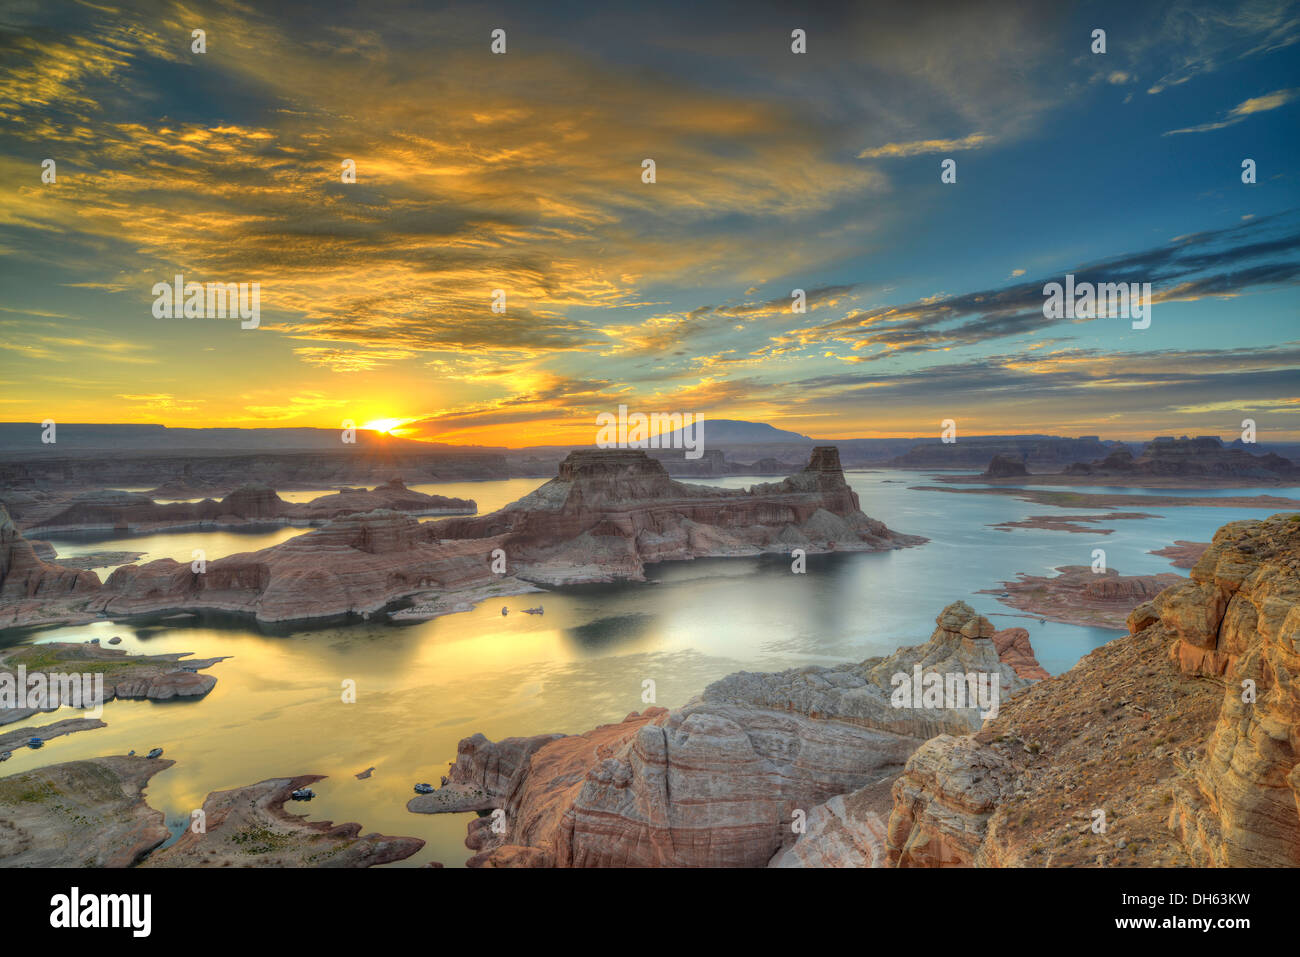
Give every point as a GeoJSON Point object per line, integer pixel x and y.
{"type": "Point", "coordinates": [33, 590]}
{"type": "Point", "coordinates": [1185, 733]}
{"type": "Point", "coordinates": [610, 511]}
{"type": "Point", "coordinates": [357, 564]}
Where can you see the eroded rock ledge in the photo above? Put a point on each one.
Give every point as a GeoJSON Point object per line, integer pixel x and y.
{"type": "Point", "coordinates": [1157, 729]}
{"type": "Point", "coordinates": [717, 782]}
{"type": "Point", "coordinates": [155, 677]}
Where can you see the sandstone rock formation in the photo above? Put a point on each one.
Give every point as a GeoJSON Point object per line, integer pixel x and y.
{"type": "Point", "coordinates": [609, 512]}
{"type": "Point", "coordinates": [1238, 620]}
{"type": "Point", "coordinates": [357, 564]}
{"type": "Point", "coordinates": [1184, 733]}
{"type": "Point", "coordinates": [155, 677]}
{"type": "Point", "coordinates": [1079, 596]}
{"type": "Point", "coordinates": [1182, 554]}
{"type": "Point", "coordinates": [32, 588]}
{"type": "Point", "coordinates": [717, 782]}
{"type": "Point", "coordinates": [1014, 649]}
{"type": "Point", "coordinates": [249, 827]}
{"type": "Point", "coordinates": [1005, 466]}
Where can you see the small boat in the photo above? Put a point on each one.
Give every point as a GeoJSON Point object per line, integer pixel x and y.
{"type": "Point", "coordinates": [5, 755]}
{"type": "Point", "coordinates": [504, 611]}
{"type": "Point", "coordinates": [303, 794]}
{"type": "Point", "coordinates": [534, 611]}
{"type": "Point", "coordinates": [155, 753]}
{"type": "Point", "coordinates": [361, 776]}
{"type": "Point", "coordinates": [424, 789]}
{"type": "Point", "coordinates": [94, 641]}
{"type": "Point", "coordinates": [131, 753]}
{"type": "Point", "coordinates": [115, 640]}
{"type": "Point", "coordinates": [34, 743]}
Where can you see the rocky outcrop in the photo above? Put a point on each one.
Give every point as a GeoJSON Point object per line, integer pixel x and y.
{"type": "Point", "coordinates": [357, 564]}
{"type": "Point", "coordinates": [1238, 620]}
{"type": "Point", "coordinates": [1079, 596]}
{"type": "Point", "coordinates": [1182, 554]}
{"type": "Point", "coordinates": [246, 505]}
{"type": "Point", "coordinates": [1014, 649]}
{"type": "Point", "coordinates": [720, 781]}
{"type": "Point", "coordinates": [249, 827]}
{"type": "Point", "coordinates": [1005, 466]}
{"type": "Point", "coordinates": [154, 677]}
{"type": "Point", "coordinates": [609, 512]}
{"type": "Point", "coordinates": [80, 814]}
{"type": "Point", "coordinates": [33, 589]}
{"type": "Point", "coordinates": [1175, 745]}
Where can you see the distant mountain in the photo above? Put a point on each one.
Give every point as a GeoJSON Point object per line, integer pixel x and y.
{"type": "Point", "coordinates": [738, 432]}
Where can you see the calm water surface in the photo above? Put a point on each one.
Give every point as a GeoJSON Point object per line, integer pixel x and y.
{"type": "Point", "coordinates": [277, 711]}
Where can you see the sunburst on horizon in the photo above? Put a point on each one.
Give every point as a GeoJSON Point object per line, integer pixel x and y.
{"type": "Point", "coordinates": [387, 426]}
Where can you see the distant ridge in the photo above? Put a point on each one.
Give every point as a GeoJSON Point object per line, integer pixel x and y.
{"type": "Point", "coordinates": [81, 437]}
{"type": "Point", "coordinates": [739, 432]}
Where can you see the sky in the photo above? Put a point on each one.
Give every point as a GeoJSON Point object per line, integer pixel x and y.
{"type": "Point", "coordinates": [774, 171]}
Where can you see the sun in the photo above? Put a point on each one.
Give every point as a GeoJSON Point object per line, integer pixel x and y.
{"type": "Point", "coordinates": [386, 426]}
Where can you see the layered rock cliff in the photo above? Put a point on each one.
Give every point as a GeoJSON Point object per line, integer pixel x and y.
{"type": "Point", "coordinates": [609, 512]}
{"type": "Point", "coordinates": [720, 781]}
{"type": "Point", "coordinates": [1180, 739]}
{"type": "Point", "coordinates": [357, 564]}
{"type": "Point", "coordinates": [34, 589]}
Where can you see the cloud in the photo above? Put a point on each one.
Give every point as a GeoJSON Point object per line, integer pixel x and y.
{"type": "Point", "coordinates": [1194, 39]}
{"type": "Point", "coordinates": [1214, 263]}
{"type": "Point", "coordinates": [1258, 104]}
{"type": "Point", "coordinates": [920, 147]}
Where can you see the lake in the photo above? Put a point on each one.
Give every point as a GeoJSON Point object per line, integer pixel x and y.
{"type": "Point", "coordinates": [276, 710]}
